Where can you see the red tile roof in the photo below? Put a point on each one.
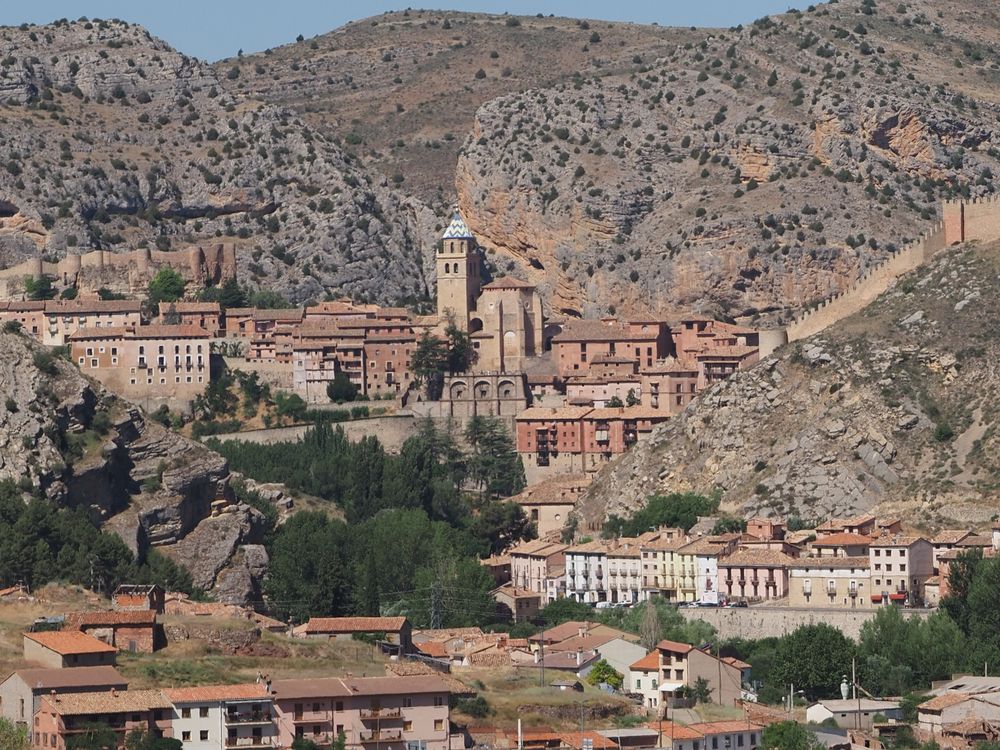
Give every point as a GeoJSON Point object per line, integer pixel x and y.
{"type": "Point", "coordinates": [153, 331]}
{"type": "Point", "coordinates": [77, 620]}
{"type": "Point", "coordinates": [674, 646]}
{"type": "Point", "coordinates": [842, 539]}
{"type": "Point", "coordinates": [67, 642]}
{"type": "Point", "coordinates": [649, 663]}
{"type": "Point", "coordinates": [355, 624]}
{"type": "Point", "coordinates": [244, 691]}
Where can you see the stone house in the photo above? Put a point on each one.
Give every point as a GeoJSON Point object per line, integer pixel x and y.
{"type": "Point", "coordinates": [841, 544]}
{"type": "Point", "coordinates": [133, 597]}
{"type": "Point", "coordinates": [65, 317]}
{"type": "Point", "coordinates": [136, 631]}
{"type": "Point", "coordinates": [755, 574]}
{"type": "Point", "coordinates": [899, 567]}
{"type": "Point", "coordinates": [517, 604]}
{"type": "Point", "coordinates": [151, 365]}
{"type": "Point", "coordinates": [22, 691]}
{"type": "Point", "coordinates": [835, 582]}
{"type": "Point", "coordinates": [61, 717]}
{"type": "Point", "coordinates": [934, 716]}
{"type": "Point", "coordinates": [549, 503]}
{"type": "Point", "coordinates": [533, 564]}
{"type": "Point", "coordinates": [67, 648]}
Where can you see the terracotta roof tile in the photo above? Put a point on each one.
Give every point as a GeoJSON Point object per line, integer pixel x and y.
{"type": "Point", "coordinates": [68, 642]}
{"type": "Point", "coordinates": [107, 702]}
{"type": "Point", "coordinates": [724, 727]}
{"type": "Point", "coordinates": [355, 624]}
{"type": "Point", "coordinates": [674, 646]}
{"type": "Point", "coordinates": [649, 663]}
{"type": "Point", "coordinates": [152, 331]}
{"type": "Point", "coordinates": [244, 691]}
{"type": "Point", "coordinates": [943, 701]}
{"type": "Point", "coordinates": [842, 538]}
{"type": "Point", "coordinates": [671, 729]}
{"type": "Point", "coordinates": [766, 558]}
{"type": "Point", "coordinates": [77, 620]}
{"type": "Point", "coordinates": [51, 679]}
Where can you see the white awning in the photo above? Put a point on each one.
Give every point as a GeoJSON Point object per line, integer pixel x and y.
{"type": "Point", "coordinates": [669, 687]}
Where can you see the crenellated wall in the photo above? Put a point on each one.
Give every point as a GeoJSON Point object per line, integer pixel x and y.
{"type": "Point", "coordinates": [126, 272]}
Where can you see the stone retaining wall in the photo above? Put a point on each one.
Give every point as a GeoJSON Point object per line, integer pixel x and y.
{"type": "Point", "coordinates": [764, 622]}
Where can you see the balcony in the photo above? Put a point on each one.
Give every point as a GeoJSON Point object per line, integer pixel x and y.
{"type": "Point", "coordinates": [373, 714]}
{"type": "Point", "coordinates": [310, 718]}
{"type": "Point", "coordinates": [243, 718]}
{"type": "Point", "coordinates": [250, 742]}
{"type": "Point", "coordinates": [393, 735]}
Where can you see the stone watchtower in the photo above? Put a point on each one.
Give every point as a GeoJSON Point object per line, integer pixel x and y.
{"type": "Point", "coordinates": [458, 280]}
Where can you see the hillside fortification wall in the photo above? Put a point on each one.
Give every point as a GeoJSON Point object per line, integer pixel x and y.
{"type": "Point", "coordinates": [977, 219]}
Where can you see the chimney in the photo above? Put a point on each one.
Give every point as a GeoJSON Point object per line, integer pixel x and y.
{"type": "Point", "coordinates": [582, 630]}
{"type": "Point", "coordinates": [579, 657]}
{"type": "Point", "coordinates": [538, 655]}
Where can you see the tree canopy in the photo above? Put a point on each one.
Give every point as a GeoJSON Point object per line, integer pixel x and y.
{"type": "Point", "coordinates": [676, 509]}
{"type": "Point", "coordinates": [166, 286]}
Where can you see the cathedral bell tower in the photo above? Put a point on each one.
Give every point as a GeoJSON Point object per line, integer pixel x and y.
{"type": "Point", "coordinates": [458, 280]}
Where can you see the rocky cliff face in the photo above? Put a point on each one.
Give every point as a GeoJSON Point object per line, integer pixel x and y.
{"type": "Point", "coordinates": [113, 140]}
{"type": "Point", "coordinates": [64, 438]}
{"type": "Point", "coordinates": [893, 409]}
{"type": "Point", "coordinates": [751, 169]}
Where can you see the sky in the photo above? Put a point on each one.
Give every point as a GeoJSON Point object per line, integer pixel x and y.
{"type": "Point", "coordinates": [215, 29]}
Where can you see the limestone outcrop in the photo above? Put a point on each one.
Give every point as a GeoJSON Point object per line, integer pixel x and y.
{"type": "Point", "coordinates": [65, 438]}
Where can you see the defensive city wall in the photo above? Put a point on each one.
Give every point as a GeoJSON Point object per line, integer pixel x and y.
{"type": "Point", "coordinates": [208, 264]}
{"type": "Point", "coordinates": [765, 622]}
{"type": "Point", "coordinates": [962, 221]}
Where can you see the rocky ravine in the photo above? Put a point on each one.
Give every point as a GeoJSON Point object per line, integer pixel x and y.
{"type": "Point", "coordinates": [893, 409]}
{"type": "Point", "coordinates": [64, 437]}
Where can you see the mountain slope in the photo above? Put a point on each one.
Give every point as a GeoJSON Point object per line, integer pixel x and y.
{"type": "Point", "coordinates": [402, 88]}
{"type": "Point", "coordinates": [894, 409]}
{"type": "Point", "coordinates": [752, 169]}
{"type": "Point", "coordinates": [112, 139]}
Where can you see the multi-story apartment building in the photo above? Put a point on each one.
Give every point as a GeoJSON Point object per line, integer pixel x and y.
{"type": "Point", "coordinates": [756, 574]}
{"type": "Point", "coordinates": [390, 713]}
{"type": "Point", "coordinates": [830, 581]}
{"type": "Point", "coordinates": [151, 365]}
{"type": "Point", "coordinates": [52, 322]}
{"type": "Point", "coordinates": [586, 568]}
{"type": "Point", "coordinates": [62, 718]}
{"type": "Point", "coordinates": [535, 564]}
{"type": "Point", "coordinates": [223, 716]}
{"type": "Point", "coordinates": [580, 341]}
{"type": "Point", "coordinates": [900, 565]}
{"type": "Point", "coordinates": [671, 666]}
{"type": "Point", "coordinates": [624, 579]}
{"type": "Point", "coordinates": [669, 385]}
{"type": "Point", "coordinates": [841, 544]}
{"type": "Point", "coordinates": [578, 438]}
{"type": "Point", "coordinates": [657, 564]}
{"type": "Point", "coordinates": [696, 567]}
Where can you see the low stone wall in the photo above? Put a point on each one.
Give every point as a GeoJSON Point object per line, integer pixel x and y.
{"type": "Point", "coordinates": [275, 374]}
{"type": "Point", "coordinates": [392, 432]}
{"type": "Point", "coordinates": [764, 622]}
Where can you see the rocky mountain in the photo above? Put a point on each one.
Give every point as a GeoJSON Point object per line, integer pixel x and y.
{"type": "Point", "coordinates": [892, 409]}
{"type": "Point", "coordinates": [750, 170]}
{"type": "Point", "coordinates": [64, 438]}
{"type": "Point", "coordinates": [111, 139]}
{"type": "Point", "coordinates": [400, 90]}
{"type": "Point", "coordinates": [623, 168]}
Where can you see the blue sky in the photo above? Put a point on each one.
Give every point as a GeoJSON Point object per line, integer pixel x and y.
{"type": "Point", "coordinates": [214, 29]}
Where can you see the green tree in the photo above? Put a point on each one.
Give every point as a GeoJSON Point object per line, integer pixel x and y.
{"type": "Point", "coordinates": [615, 403]}
{"type": "Point", "coordinates": [788, 735]}
{"type": "Point", "coordinates": [265, 299]}
{"type": "Point", "coordinates": [309, 570]}
{"type": "Point", "coordinates": [984, 614]}
{"type": "Point", "coordinates": [461, 354]}
{"type": "Point", "coordinates": [565, 610]}
{"type": "Point", "coordinates": [13, 736]}
{"type": "Point", "coordinates": [501, 525]}
{"type": "Point", "coordinates": [604, 672]}
{"type": "Point", "coordinates": [675, 509]}
{"type": "Point", "coordinates": [140, 740]}
{"type": "Point", "coordinates": [961, 573]}
{"type": "Point", "coordinates": [92, 736]}
{"type": "Point", "coordinates": [813, 658]}
{"type": "Point", "coordinates": [701, 691]}
{"type": "Point", "coordinates": [166, 286]}
{"type": "Point", "coordinates": [494, 465]}
{"type": "Point", "coordinates": [39, 287]}
{"type": "Point", "coordinates": [429, 362]}
{"type": "Point", "coordinates": [341, 389]}
{"type": "Point", "coordinates": [229, 295]}
{"type": "Point", "coordinates": [631, 399]}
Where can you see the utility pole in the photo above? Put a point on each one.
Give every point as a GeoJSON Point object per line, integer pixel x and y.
{"type": "Point", "coordinates": [436, 605]}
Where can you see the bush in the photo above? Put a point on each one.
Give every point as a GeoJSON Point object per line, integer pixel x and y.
{"type": "Point", "coordinates": [476, 707]}
{"type": "Point", "coordinates": [45, 361]}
